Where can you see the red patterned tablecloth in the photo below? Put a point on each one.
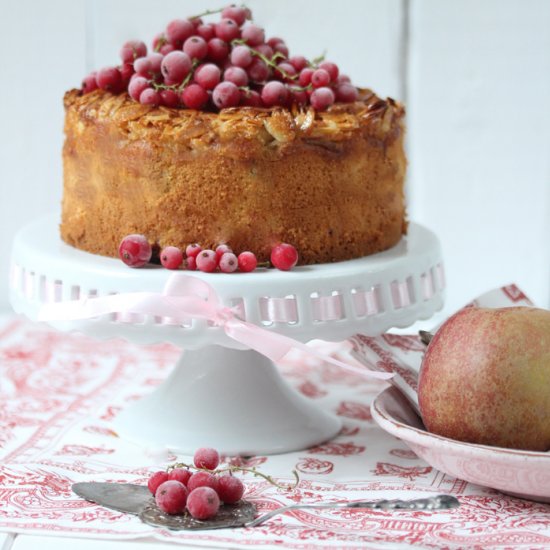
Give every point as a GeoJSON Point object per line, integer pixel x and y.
{"type": "Point", "coordinates": [59, 394]}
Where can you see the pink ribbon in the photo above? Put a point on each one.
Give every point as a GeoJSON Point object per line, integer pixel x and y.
{"type": "Point", "coordinates": [187, 297]}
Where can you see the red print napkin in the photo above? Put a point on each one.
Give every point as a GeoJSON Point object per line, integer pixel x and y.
{"type": "Point", "coordinates": [59, 394]}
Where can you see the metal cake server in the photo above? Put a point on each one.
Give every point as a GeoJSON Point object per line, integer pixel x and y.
{"type": "Point", "coordinates": [439, 502]}
{"type": "Point", "coordinates": [122, 497]}
{"type": "Point", "coordinates": [137, 500]}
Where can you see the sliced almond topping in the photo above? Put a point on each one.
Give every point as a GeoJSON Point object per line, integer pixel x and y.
{"type": "Point", "coordinates": [281, 126]}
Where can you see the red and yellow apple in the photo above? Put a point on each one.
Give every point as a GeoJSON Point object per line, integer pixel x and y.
{"type": "Point", "coordinates": [485, 378]}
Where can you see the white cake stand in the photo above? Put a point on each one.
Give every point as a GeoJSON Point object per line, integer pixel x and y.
{"type": "Point", "coordinates": [221, 394]}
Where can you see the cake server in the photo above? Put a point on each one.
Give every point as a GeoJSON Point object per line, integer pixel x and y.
{"type": "Point", "coordinates": [137, 500]}
{"type": "Point", "coordinates": [122, 497]}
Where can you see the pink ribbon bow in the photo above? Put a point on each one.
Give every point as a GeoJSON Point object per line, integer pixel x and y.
{"type": "Point", "coordinates": [187, 297]}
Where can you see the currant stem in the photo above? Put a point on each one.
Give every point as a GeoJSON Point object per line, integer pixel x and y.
{"type": "Point", "coordinates": [302, 88]}
{"type": "Point", "coordinates": [187, 79]}
{"type": "Point", "coordinates": [161, 42]}
{"type": "Point", "coordinates": [205, 13]}
{"type": "Point", "coordinates": [232, 469]}
{"type": "Point", "coordinates": [177, 87]}
{"type": "Point", "coordinates": [265, 59]}
{"type": "Point", "coordinates": [319, 59]}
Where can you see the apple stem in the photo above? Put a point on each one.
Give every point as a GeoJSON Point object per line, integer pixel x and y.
{"type": "Point", "coordinates": [425, 336]}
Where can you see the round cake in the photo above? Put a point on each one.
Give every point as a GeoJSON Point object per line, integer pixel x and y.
{"type": "Point", "coordinates": [330, 182]}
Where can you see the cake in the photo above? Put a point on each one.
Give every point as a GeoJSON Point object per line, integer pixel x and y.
{"type": "Point", "coordinates": [326, 178]}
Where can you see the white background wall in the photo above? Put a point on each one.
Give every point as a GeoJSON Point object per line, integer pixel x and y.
{"type": "Point", "coordinates": [475, 76]}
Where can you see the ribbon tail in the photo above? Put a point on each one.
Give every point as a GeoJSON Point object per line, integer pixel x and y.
{"type": "Point", "coordinates": [275, 346]}
{"type": "Point", "coordinates": [88, 308]}
{"type": "Point", "coordinates": [145, 303]}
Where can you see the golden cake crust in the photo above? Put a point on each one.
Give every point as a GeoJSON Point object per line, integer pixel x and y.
{"type": "Point", "coordinates": [330, 183]}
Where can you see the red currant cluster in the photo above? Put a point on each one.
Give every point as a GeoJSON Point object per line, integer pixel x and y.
{"type": "Point", "coordinates": [213, 66]}
{"type": "Point", "coordinates": [136, 251]}
{"type": "Point", "coordinates": [200, 493]}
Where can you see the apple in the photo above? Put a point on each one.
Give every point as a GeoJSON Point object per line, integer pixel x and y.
{"type": "Point", "coordinates": [485, 378]}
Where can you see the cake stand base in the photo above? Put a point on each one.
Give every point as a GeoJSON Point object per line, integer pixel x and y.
{"type": "Point", "coordinates": [208, 401]}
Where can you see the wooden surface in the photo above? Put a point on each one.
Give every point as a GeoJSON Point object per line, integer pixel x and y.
{"type": "Point", "coordinates": [475, 77]}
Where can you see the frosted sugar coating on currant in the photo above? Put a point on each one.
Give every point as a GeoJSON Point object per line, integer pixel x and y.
{"type": "Point", "coordinates": [217, 60]}
{"type": "Point", "coordinates": [135, 250]}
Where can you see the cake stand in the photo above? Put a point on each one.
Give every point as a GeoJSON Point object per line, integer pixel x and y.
{"type": "Point", "coordinates": [221, 393]}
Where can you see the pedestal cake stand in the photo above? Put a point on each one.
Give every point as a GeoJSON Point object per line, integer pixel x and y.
{"type": "Point", "coordinates": [255, 411]}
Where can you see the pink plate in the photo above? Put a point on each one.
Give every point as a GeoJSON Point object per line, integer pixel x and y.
{"type": "Point", "coordinates": [524, 474]}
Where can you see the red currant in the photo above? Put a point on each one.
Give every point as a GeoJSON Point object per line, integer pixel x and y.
{"type": "Point", "coordinates": [149, 66]}
{"type": "Point", "coordinates": [237, 13]}
{"type": "Point", "coordinates": [203, 503]}
{"type": "Point", "coordinates": [280, 47]}
{"type": "Point", "coordinates": [179, 30]}
{"type": "Point", "coordinates": [247, 261]}
{"type": "Point", "coordinates": [331, 68]}
{"type": "Point", "coordinates": [299, 62]}
{"type": "Point", "coordinates": [218, 50]}
{"type": "Point", "coordinates": [180, 474]}
{"type": "Point", "coordinates": [194, 96]}
{"type": "Point", "coordinates": [196, 47]}
{"type": "Point", "coordinates": [136, 86]}
{"type": "Point", "coordinates": [208, 75]}
{"type": "Point", "coordinates": [346, 93]}
{"type": "Point", "coordinates": [253, 35]}
{"type": "Point", "coordinates": [206, 31]}
{"type": "Point", "coordinates": [251, 98]}
{"type": "Point", "coordinates": [167, 48]}
{"type": "Point", "coordinates": [265, 50]}
{"type": "Point", "coordinates": [135, 250]}
{"type": "Point", "coordinates": [171, 497]}
{"type": "Point", "coordinates": [155, 480]}
{"type": "Point", "coordinates": [228, 262]}
{"type": "Point", "coordinates": [176, 66]}
{"type": "Point", "coordinates": [193, 250]}
{"type": "Point", "coordinates": [131, 50]}
{"type": "Point", "coordinates": [236, 75]}
{"type": "Point", "coordinates": [320, 78]}
{"type": "Point", "coordinates": [221, 249]}
{"type": "Point", "coordinates": [206, 457]}
{"type": "Point", "coordinates": [207, 261]}
{"type": "Point", "coordinates": [274, 93]}
{"type": "Point", "coordinates": [89, 84]}
{"type": "Point", "coordinates": [202, 479]}
{"type": "Point", "coordinates": [272, 42]}
{"type": "Point", "coordinates": [126, 73]}
{"type": "Point", "coordinates": [227, 30]}
{"type": "Point", "coordinates": [109, 79]}
{"type": "Point", "coordinates": [226, 95]}
{"type": "Point", "coordinates": [258, 71]}
{"type": "Point", "coordinates": [197, 22]}
{"type": "Point", "coordinates": [284, 256]}
{"type": "Point", "coordinates": [171, 257]}
{"type": "Point", "coordinates": [305, 77]}
{"type": "Point", "coordinates": [321, 98]}
{"type": "Point", "coordinates": [241, 56]}
{"type": "Point", "coordinates": [298, 96]}
{"type": "Point", "coordinates": [230, 489]}
{"type": "Point", "coordinates": [150, 97]}
{"type": "Point", "coordinates": [169, 98]}
{"type": "Point", "coordinates": [285, 71]}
